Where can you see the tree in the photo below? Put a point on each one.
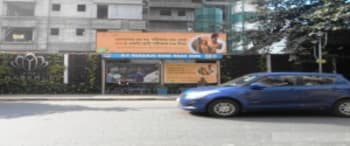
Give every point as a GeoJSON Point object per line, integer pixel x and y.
{"type": "Point", "coordinates": [295, 19]}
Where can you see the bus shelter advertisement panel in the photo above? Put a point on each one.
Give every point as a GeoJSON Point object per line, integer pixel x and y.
{"type": "Point", "coordinates": [133, 73]}
{"type": "Point", "coordinates": [191, 73]}
{"type": "Point", "coordinates": [181, 43]}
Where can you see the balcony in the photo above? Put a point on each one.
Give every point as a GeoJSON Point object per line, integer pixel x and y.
{"type": "Point", "coordinates": [118, 24]}
{"type": "Point", "coordinates": [170, 18]}
{"type": "Point", "coordinates": [18, 46]}
{"type": "Point", "coordinates": [118, 2]}
{"type": "Point", "coordinates": [19, 21]}
{"type": "Point", "coordinates": [174, 4]}
{"type": "Point", "coordinates": [106, 24]}
{"type": "Point", "coordinates": [217, 2]}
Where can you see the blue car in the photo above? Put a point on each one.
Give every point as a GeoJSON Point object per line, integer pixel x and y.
{"type": "Point", "coordinates": [271, 91]}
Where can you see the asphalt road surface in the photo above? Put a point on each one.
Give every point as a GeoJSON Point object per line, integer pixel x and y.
{"type": "Point", "coordinates": [159, 123]}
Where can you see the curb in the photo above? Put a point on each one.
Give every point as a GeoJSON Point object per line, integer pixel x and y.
{"type": "Point", "coordinates": [88, 99]}
{"type": "Point", "coordinates": [85, 98]}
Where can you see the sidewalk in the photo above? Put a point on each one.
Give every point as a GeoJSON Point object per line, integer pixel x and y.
{"type": "Point", "coordinates": [85, 97]}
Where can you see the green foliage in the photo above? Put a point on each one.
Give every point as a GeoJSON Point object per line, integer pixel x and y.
{"type": "Point", "coordinates": [9, 84]}
{"type": "Point", "coordinates": [295, 19]}
{"type": "Point", "coordinates": [332, 15]}
{"type": "Point", "coordinates": [262, 64]}
{"type": "Point", "coordinates": [92, 70]}
{"type": "Point", "coordinates": [5, 69]}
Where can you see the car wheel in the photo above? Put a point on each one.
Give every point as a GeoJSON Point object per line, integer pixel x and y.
{"type": "Point", "coordinates": [224, 108]}
{"type": "Point", "coordinates": [342, 108]}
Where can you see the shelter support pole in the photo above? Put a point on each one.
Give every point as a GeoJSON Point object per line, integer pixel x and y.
{"type": "Point", "coordinates": [162, 72]}
{"type": "Point", "coordinates": [103, 73]}
{"type": "Point", "coordinates": [218, 63]}
{"type": "Point", "coordinates": [66, 71]}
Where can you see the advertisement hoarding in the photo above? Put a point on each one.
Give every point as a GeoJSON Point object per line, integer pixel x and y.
{"type": "Point", "coordinates": [132, 73]}
{"type": "Point", "coordinates": [191, 73]}
{"type": "Point", "coordinates": [167, 43]}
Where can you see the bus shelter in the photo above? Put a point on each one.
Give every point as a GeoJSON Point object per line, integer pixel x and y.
{"type": "Point", "coordinates": [139, 62]}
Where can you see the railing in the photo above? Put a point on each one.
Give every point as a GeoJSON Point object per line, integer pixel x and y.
{"type": "Point", "coordinates": [174, 3]}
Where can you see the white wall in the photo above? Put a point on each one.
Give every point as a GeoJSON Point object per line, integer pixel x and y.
{"type": "Point", "coordinates": [1, 8]}
{"type": "Point", "coordinates": [41, 8]}
{"type": "Point", "coordinates": [69, 8]}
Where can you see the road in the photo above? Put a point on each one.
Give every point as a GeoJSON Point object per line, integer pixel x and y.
{"type": "Point", "coordinates": [158, 123]}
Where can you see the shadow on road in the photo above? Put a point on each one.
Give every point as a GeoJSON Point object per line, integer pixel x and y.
{"type": "Point", "coordinates": [300, 117]}
{"type": "Point", "coordinates": [17, 110]}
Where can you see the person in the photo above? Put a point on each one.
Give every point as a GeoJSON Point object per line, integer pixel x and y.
{"type": "Point", "coordinates": [210, 69]}
{"type": "Point", "coordinates": [204, 47]}
{"type": "Point", "coordinates": [113, 75]}
{"type": "Point", "coordinates": [203, 71]}
{"type": "Point", "coordinates": [202, 82]}
{"type": "Point", "coordinates": [201, 46]}
{"type": "Point", "coordinates": [214, 44]}
{"type": "Point", "coordinates": [196, 44]}
{"type": "Point", "coordinates": [139, 77]}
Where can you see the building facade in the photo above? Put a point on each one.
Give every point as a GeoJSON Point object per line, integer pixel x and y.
{"type": "Point", "coordinates": [51, 26]}
{"type": "Point", "coordinates": [170, 15]}
{"type": "Point", "coordinates": [179, 15]}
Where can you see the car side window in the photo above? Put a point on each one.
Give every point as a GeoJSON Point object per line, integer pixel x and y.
{"type": "Point", "coordinates": [278, 81]}
{"type": "Point", "coordinates": [318, 80]}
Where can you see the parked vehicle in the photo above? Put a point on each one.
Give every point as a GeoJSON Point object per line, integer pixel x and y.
{"type": "Point", "coordinates": [271, 91]}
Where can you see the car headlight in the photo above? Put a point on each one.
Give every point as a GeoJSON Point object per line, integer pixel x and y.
{"type": "Point", "coordinates": [198, 95]}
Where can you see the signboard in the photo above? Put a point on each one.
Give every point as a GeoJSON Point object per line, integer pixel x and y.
{"type": "Point", "coordinates": [321, 61]}
{"type": "Point", "coordinates": [171, 43]}
{"type": "Point", "coordinates": [132, 73]}
{"type": "Point", "coordinates": [191, 73]}
{"type": "Point", "coordinates": [162, 56]}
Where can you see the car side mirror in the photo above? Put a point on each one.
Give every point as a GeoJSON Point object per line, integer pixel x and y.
{"type": "Point", "coordinates": [258, 86]}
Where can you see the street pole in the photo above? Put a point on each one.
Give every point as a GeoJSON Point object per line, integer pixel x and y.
{"type": "Point", "coordinates": [268, 62]}
{"type": "Point", "coordinates": [103, 82]}
{"type": "Point", "coordinates": [334, 63]}
{"type": "Point", "coordinates": [320, 58]}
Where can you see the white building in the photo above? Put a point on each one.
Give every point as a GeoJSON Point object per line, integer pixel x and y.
{"type": "Point", "coordinates": [53, 26]}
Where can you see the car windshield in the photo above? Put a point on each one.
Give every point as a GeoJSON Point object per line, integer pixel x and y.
{"type": "Point", "coordinates": [243, 80]}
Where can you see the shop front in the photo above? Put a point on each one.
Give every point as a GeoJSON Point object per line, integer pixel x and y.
{"type": "Point", "coordinates": [159, 63]}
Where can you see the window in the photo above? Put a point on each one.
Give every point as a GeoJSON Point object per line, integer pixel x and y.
{"type": "Point", "coordinates": [81, 8]}
{"type": "Point", "coordinates": [55, 31]}
{"type": "Point", "coordinates": [56, 7]}
{"type": "Point", "coordinates": [241, 80]}
{"type": "Point", "coordinates": [181, 13]}
{"type": "Point", "coordinates": [278, 81]}
{"type": "Point", "coordinates": [19, 34]}
{"type": "Point", "coordinates": [165, 12]}
{"type": "Point", "coordinates": [80, 32]}
{"type": "Point", "coordinates": [101, 30]}
{"type": "Point", "coordinates": [318, 80]}
{"type": "Point", "coordinates": [20, 8]}
{"type": "Point", "coordinates": [102, 11]}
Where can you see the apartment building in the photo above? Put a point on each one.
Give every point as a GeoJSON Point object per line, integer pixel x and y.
{"type": "Point", "coordinates": [53, 26]}
{"type": "Point", "coordinates": [170, 15]}
{"type": "Point", "coordinates": [178, 15]}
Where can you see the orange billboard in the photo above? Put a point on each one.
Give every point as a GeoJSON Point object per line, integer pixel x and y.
{"type": "Point", "coordinates": [162, 42]}
{"type": "Point", "coordinates": [191, 73]}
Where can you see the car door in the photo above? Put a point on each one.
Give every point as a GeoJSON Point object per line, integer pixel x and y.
{"type": "Point", "coordinates": [317, 90]}
{"type": "Point", "coordinates": [279, 93]}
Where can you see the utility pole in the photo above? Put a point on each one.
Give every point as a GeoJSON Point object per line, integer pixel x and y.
{"type": "Point", "coordinates": [320, 57]}
{"type": "Point", "coordinates": [319, 54]}
{"type": "Point", "coordinates": [268, 63]}
{"type": "Point", "coordinates": [243, 25]}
